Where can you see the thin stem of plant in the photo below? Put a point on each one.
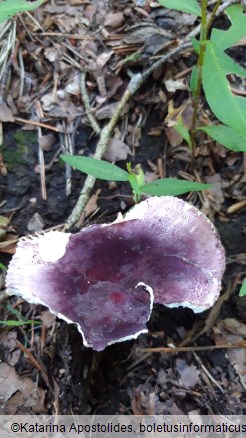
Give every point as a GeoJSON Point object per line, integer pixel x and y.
{"type": "Point", "coordinates": [213, 14]}
{"type": "Point", "coordinates": [206, 23]}
{"type": "Point", "coordinates": [203, 36]}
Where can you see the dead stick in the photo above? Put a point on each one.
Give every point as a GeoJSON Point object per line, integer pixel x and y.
{"type": "Point", "coordinates": [183, 349]}
{"type": "Point", "coordinates": [86, 101]}
{"type": "Point", "coordinates": [35, 123]}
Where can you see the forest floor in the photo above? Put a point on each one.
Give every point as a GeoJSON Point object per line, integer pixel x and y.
{"type": "Point", "coordinates": [44, 368]}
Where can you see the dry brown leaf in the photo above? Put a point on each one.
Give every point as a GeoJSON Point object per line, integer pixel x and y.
{"type": "Point", "coordinates": [90, 11]}
{"type": "Point", "coordinates": [73, 87]}
{"type": "Point", "coordinates": [103, 58]}
{"type": "Point", "coordinates": [3, 168]}
{"type": "Point", "coordinates": [172, 86]}
{"type": "Point", "coordinates": [46, 142]}
{"type": "Point", "coordinates": [6, 114]}
{"type": "Point", "coordinates": [107, 111]}
{"type": "Point", "coordinates": [8, 246]}
{"type": "Point", "coordinates": [35, 223]}
{"type": "Point", "coordinates": [114, 20]}
{"type": "Point", "coordinates": [189, 374]}
{"type": "Point", "coordinates": [11, 354]}
{"type": "Point", "coordinates": [116, 150]}
{"type": "Point", "coordinates": [151, 36]}
{"type": "Point", "coordinates": [91, 205]}
{"type": "Point", "coordinates": [51, 53]}
{"type": "Point", "coordinates": [47, 318]}
{"type": "Point", "coordinates": [29, 397]}
{"type": "Point", "coordinates": [113, 83]}
{"type": "Point", "coordinates": [186, 111]}
{"type": "Point", "coordinates": [150, 176]}
{"type": "Point", "coordinates": [232, 331]}
{"type": "Point", "coordinates": [134, 135]}
{"type": "Point", "coordinates": [216, 190]}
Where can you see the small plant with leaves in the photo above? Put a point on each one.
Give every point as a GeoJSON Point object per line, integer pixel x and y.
{"type": "Point", "coordinates": [107, 171]}
{"type": "Point", "coordinates": [211, 72]}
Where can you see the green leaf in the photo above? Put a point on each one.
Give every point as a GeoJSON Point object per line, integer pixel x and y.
{"type": "Point", "coordinates": [242, 291]}
{"type": "Point", "coordinates": [229, 109]}
{"type": "Point", "coordinates": [182, 130]}
{"type": "Point", "coordinates": [235, 33]}
{"type": "Point", "coordinates": [228, 65]}
{"type": "Point", "coordinates": [14, 323]}
{"type": "Point", "coordinates": [15, 312]}
{"type": "Point", "coordinates": [172, 187]}
{"type": "Point", "coordinates": [134, 184]}
{"type": "Point", "coordinates": [2, 267]}
{"type": "Point", "coordinates": [188, 6]}
{"type": "Point", "coordinates": [8, 8]}
{"type": "Point", "coordinates": [196, 45]}
{"type": "Point", "coordinates": [227, 136]}
{"type": "Point", "coordinates": [98, 168]}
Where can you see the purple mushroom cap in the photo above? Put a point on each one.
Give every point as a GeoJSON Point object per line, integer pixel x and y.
{"type": "Point", "coordinates": [106, 277]}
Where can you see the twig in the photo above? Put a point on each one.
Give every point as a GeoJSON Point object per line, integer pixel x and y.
{"type": "Point", "coordinates": [66, 144]}
{"type": "Point", "coordinates": [62, 35]}
{"type": "Point", "coordinates": [39, 112]}
{"type": "Point", "coordinates": [240, 344]}
{"type": "Point", "coordinates": [209, 375]}
{"type": "Point", "coordinates": [22, 72]}
{"type": "Point", "coordinates": [36, 123]}
{"type": "Point", "coordinates": [225, 6]}
{"type": "Point", "coordinates": [7, 43]}
{"type": "Point", "coordinates": [86, 102]}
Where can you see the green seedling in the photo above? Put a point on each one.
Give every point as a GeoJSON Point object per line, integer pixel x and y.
{"type": "Point", "coordinates": [3, 267]}
{"type": "Point", "coordinates": [107, 171]}
{"type": "Point", "coordinates": [21, 320]}
{"type": "Point", "coordinates": [14, 323]}
{"type": "Point", "coordinates": [8, 8]}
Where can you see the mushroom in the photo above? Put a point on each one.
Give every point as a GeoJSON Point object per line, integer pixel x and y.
{"type": "Point", "coordinates": [106, 277]}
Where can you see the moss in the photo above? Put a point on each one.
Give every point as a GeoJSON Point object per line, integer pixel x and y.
{"type": "Point", "coordinates": [19, 151]}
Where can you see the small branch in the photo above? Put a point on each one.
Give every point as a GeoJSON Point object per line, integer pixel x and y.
{"type": "Point", "coordinates": [240, 344]}
{"type": "Point", "coordinates": [35, 123]}
{"type": "Point", "coordinates": [86, 102]}
{"type": "Point", "coordinates": [203, 37]}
